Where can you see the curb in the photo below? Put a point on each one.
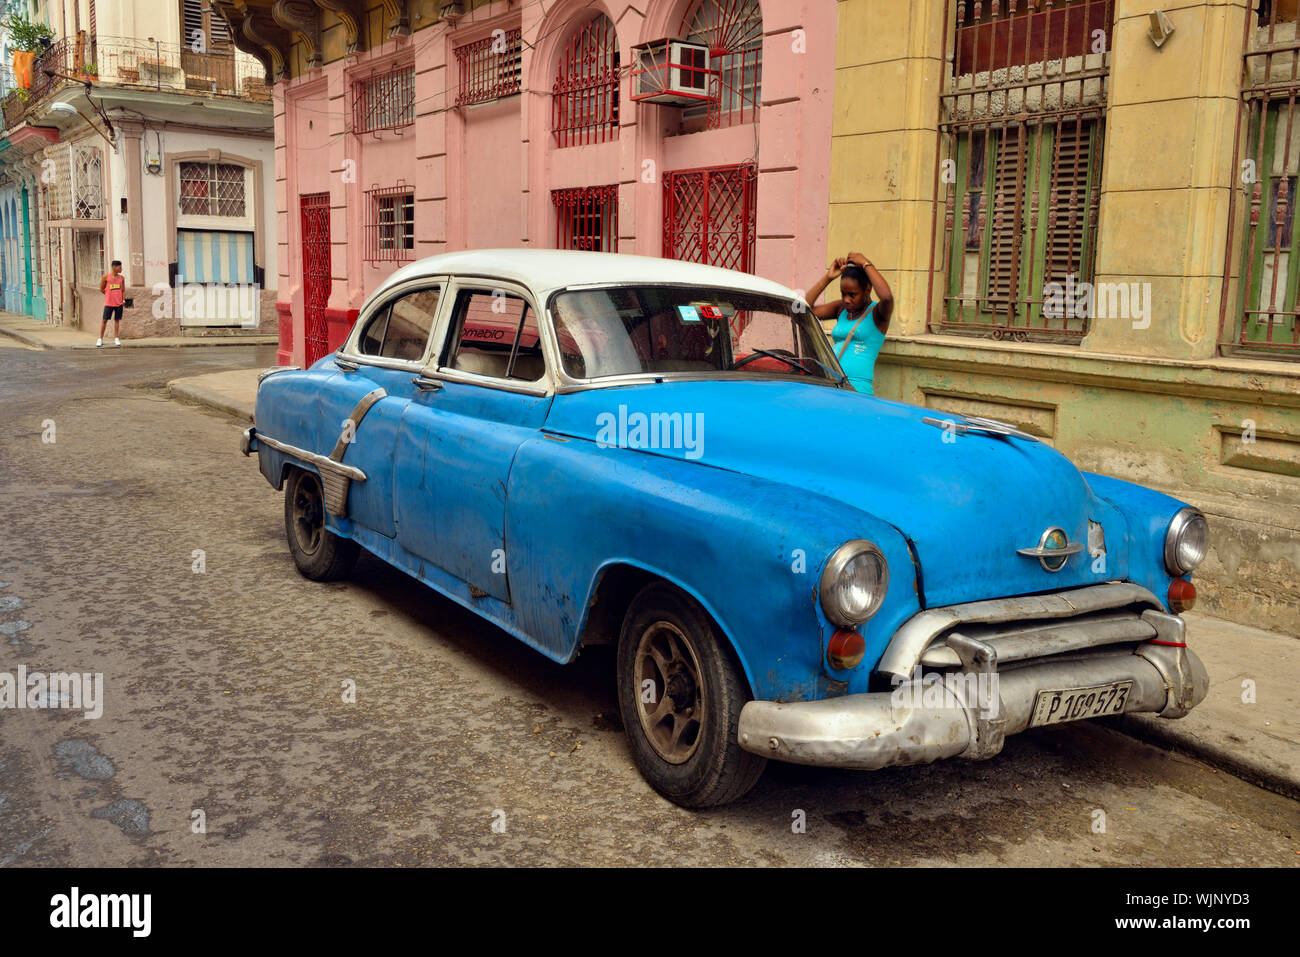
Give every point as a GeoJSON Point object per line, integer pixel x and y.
{"type": "Point", "coordinates": [32, 340]}
{"type": "Point", "coordinates": [1165, 732]}
{"type": "Point", "coordinates": [180, 389]}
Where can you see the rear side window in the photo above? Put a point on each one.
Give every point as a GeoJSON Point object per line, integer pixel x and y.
{"type": "Point", "coordinates": [400, 330]}
{"type": "Point", "coordinates": [494, 333]}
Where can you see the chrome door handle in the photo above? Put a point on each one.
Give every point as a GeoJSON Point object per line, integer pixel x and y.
{"type": "Point", "coordinates": [347, 365]}
{"type": "Point", "coordinates": [425, 384]}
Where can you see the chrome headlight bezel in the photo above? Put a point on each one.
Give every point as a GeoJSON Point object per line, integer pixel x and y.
{"type": "Point", "coordinates": [835, 568]}
{"type": "Point", "coordinates": [1184, 519]}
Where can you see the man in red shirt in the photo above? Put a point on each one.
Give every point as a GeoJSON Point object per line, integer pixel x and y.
{"type": "Point", "coordinates": [113, 285]}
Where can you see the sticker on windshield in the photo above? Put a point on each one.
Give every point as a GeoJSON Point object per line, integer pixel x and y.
{"type": "Point", "coordinates": [688, 314]}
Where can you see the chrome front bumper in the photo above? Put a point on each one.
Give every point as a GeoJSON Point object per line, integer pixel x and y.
{"type": "Point", "coordinates": [918, 725]}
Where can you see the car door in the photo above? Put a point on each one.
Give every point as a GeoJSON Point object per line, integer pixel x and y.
{"type": "Point", "coordinates": [488, 393]}
{"type": "Point", "coordinates": [387, 351]}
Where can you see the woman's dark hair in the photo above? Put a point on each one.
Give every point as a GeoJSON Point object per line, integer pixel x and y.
{"type": "Point", "coordinates": [857, 274]}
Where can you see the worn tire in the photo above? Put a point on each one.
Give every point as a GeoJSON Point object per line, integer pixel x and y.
{"type": "Point", "coordinates": [712, 770]}
{"type": "Point", "coordinates": [319, 554]}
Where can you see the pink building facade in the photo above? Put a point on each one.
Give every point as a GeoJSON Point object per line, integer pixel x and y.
{"type": "Point", "coordinates": [515, 125]}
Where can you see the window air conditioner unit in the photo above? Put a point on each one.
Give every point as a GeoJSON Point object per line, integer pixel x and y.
{"type": "Point", "coordinates": [671, 71]}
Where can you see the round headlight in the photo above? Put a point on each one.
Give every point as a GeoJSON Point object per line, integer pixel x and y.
{"type": "Point", "coordinates": [854, 583]}
{"type": "Point", "coordinates": [1187, 541]}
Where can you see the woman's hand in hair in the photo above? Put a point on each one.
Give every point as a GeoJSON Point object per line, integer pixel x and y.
{"type": "Point", "coordinates": [836, 268]}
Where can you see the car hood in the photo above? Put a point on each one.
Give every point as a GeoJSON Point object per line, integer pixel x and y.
{"type": "Point", "coordinates": [966, 501]}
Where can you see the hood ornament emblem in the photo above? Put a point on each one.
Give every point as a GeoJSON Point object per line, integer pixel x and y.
{"type": "Point", "coordinates": [1053, 549]}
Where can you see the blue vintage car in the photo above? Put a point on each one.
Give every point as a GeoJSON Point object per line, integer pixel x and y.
{"type": "Point", "coordinates": [589, 448]}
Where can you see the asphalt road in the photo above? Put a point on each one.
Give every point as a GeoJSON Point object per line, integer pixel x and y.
{"type": "Point", "coordinates": [224, 694]}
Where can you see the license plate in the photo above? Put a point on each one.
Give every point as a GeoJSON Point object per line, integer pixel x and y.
{"type": "Point", "coordinates": [1075, 704]}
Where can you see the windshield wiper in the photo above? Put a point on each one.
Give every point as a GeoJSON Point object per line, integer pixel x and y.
{"type": "Point", "coordinates": [790, 361]}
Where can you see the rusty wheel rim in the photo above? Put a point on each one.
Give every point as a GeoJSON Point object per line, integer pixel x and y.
{"type": "Point", "coordinates": [670, 695]}
{"type": "Point", "coordinates": [308, 515]}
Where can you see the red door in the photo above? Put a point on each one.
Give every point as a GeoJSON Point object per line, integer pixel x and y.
{"type": "Point", "coordinates": [315, 273]}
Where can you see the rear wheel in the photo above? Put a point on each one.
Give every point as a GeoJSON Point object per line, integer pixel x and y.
{"type": "Point", "coordinates": [680, 694]}
{"type": "Point", "coordinates": [319, 554]}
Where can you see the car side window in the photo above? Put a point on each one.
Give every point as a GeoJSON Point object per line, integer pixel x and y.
{"type": "Point", "coordinates": [400, 329]}
{"type": "Point", "coordinates": [410, 320]}
{"type": "Point", "coordinates": [372, 336]}
{"type": "Point", "coordinates": [495, 333]}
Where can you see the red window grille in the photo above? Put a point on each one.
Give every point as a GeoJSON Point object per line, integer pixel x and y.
{"type": "Point", "coordinates": [586, 217]}
{"type": "Point", "coordinates": [489, 68]}
{"type": "Point", "coordinates": [584, 102]}
{"type": "Point", "coordinates": [384, 101]}
{"type": "Point", "coordinates": [733, 32]}
{"type": "Point", "coordinates": [390, 231]}
{"type": "Point", "coordinates": [709, 216]}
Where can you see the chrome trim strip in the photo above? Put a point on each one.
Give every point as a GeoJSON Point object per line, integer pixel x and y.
{"type": "Point", "coordinates": [274, 369]}
{"type": "Point", "coordinates": [916, 634]}
{"type": "Point", "coordinates": [320, 461]}
{"type": "Point", "coordinates": [358, 413]}
{"type": "Point", "coordinates": [489, 382]}
{"type": "Point", "coordinates": [977, 423]}
{"type": "Point", "coordinates": [1021, 643]}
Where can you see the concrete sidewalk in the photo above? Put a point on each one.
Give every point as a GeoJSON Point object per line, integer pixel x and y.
{"type": "Point", "coordinates": [34, 332]}
{"type": "Point", "coordinates": [234, 392]}
{"type": "Point", "coordinates": [1249, 725]}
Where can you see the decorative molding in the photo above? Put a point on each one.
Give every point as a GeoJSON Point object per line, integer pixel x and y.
{"type": "Point", "coordinates": [268, 36]}
{"type": "Point", "coordinates": [350, 14]}
{"type": "Point", "coordinates": [397, 18]}
{"type": "Point", "coordinates": [302, 19]}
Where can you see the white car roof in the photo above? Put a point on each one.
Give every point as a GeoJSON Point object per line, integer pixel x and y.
{"type": "Point", "coordinates": [543, 270]}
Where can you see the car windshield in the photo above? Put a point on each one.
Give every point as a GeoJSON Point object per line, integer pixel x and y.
{"type": "Point", "coordinates": [625, 330]}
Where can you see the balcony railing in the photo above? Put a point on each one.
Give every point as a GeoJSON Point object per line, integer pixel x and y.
{"type": "Point", "coordinates": [171, 66]}
{"type": "Point", "coordinates": [139, 64]}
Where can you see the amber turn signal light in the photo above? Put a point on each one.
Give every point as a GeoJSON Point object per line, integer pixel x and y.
{"type": "Point", "coordinates": [845, 650]}
{"type": "Point", "coordinates": [1182, 596]}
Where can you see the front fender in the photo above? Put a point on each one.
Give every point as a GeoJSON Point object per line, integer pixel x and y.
{"type": "Point", "coordinates": [751, 551]}
{"type": "Point", "coordinates": [1148, 514]}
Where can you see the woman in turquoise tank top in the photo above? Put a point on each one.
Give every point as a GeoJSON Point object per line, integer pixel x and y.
{"type": "Point", "coordinates": [859, 323]}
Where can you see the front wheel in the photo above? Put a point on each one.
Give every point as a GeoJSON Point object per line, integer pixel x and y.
{"type": "Point", "coordinates": [680, 695]}
{"type": "Point", "coordinates": [319, 554]}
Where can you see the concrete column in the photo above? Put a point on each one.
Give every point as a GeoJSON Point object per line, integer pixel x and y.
{"type": "Point", "coordinates": [889, 71]}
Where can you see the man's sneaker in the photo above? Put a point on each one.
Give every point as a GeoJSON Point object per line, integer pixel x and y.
{"type": "Point", "coordinates": [117, 341]}
{"type": "Point", "coordinates": [99, 343]}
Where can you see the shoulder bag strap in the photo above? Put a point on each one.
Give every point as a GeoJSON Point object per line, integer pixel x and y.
{"type": "Point", "coordinates": [849, 338]}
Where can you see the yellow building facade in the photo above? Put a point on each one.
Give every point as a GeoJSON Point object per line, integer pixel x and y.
{"type": "Point", "coordinates": [1085, 209]}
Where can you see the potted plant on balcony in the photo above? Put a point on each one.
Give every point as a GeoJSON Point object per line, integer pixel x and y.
{"type": "Point", "coordinates": [27, 39]}
{"type": "Point", "coordinates": [88, 73]}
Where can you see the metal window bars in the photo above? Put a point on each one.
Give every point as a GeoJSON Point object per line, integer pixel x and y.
{"type": "Point", "coordinates": [709, 216]}
{"type": "Point", "coordinates": [733, 32]}
{"type": "Point", "coordinates": [88, 183]}
{"type": "Point", "coordinates": [390, 231]}
{"type": "Point", "coordinates": [1021, 123]}
{"type": "Point", "coordinates": [490, 68]}
{"type": "Point", "coordinates": [385, 101]}
{"type": "Point", "coordinates": [1259, 309]}
{"type": "Point", "coordinates": [584, 100]}
{"type": "Point", "coordinates": [586, 217]}
{"type": "Point", "coordinates": [212, 189]}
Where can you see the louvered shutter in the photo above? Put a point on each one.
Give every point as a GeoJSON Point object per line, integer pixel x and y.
{"type": "Point", "coordinates": [1070, 175]}
{"type": "Point", "coordinates": [1006, 216]}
